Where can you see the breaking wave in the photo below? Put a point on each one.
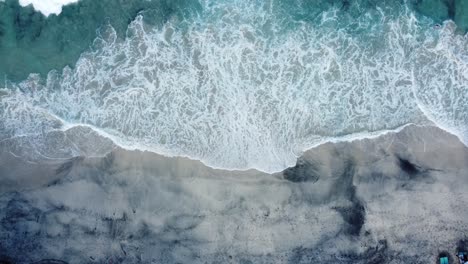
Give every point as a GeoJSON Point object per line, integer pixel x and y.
{"type": "Point", "coordinates": [243, 85]}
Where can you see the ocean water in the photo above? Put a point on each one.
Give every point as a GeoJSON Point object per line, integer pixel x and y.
{"type": "Point", "coordinates": [32, 43]}
{"type": "Point", "coordinates": [237, 84]}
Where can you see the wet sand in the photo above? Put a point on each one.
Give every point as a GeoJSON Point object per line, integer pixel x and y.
{"type": "Point", "coordinates": [398, 198]}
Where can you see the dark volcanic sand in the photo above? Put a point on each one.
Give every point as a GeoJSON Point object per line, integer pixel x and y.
{"type": "Point", "coordinates": [399, 198]}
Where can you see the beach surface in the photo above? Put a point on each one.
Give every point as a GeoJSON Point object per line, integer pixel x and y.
{"type": "Point", "coordinates": [397, 198]}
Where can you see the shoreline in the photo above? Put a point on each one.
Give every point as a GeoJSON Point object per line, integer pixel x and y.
{"type": "Point", "coordinates": [342, 139]}
{"type": "Point", "coordinates": [385, 198]}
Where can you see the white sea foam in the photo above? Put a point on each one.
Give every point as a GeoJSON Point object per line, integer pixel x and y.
{"type": "Point", "coordinates": [235, 93]}
{"type": "Point", "coordinates": [47, 7]}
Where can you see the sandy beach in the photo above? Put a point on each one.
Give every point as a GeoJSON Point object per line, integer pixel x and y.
{"type": "Point", "coordinates": [397, 198]}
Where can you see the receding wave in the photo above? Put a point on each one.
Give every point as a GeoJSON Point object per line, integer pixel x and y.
{"type": "Point", "coordinates": [243, 85]}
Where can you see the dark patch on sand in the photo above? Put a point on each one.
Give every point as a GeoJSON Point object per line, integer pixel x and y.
{"type": "Point", "coordinates": [66, 167]}
{"type": "Point", "coordinates": [354, 215]}
{"type": "Point", "coordinates": [304, 171]}
{"type": "Point", "coordinates": [107, 162]}
{"type": "Point", "coordinates": [5, 259]}
{"type": "Point", "coordinates": [18, 210]}
{"type": "Point", "coordinates": [462, 245]}
{"type": "Point", "coordinates": [50, 261]}
{"type": "Point", "coordinates": [413, 174]}
{"type": "Point", "coordinates": [373, 255]}
{"type": "Point", "coordinates": [408, 167]}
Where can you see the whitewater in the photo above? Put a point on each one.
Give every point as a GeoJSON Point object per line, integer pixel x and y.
{"type": "Point", "coordinates": [47, 7]}
{"type": "Point", "coordinates": [242, 85]}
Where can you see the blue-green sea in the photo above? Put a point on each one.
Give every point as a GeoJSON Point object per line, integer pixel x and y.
{"type": "Point", "coordinates": [236, 84]}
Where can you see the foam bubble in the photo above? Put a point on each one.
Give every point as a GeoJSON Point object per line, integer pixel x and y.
{"type": "Point", "coordinates": [237, 89]}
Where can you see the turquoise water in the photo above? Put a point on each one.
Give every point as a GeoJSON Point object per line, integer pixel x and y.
{"type": "Point", "coordinates": [441, 10]}
{"type": "Point", "coordinates": [32, 43]}
{"type": "Point", "coordinates": [237, 84]}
